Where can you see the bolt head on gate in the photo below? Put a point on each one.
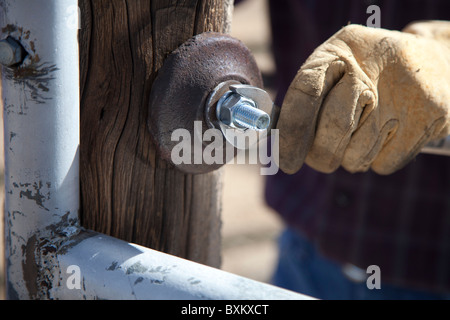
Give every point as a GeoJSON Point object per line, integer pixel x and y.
{"type": "Point", "coordinates": [242, 108]}
{"type": "Point", "coordinates": [190, 84]}
{"type": "Point", "coordinates": [11, 52]}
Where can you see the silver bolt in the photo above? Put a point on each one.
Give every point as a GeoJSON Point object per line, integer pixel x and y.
{"type": "Point", "coordinates": [11, 52]}
{"type": "Point", "coordinates": [237, 111]}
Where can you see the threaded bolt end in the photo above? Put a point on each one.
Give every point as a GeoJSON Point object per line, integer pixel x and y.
{"type": "Point", "coordinates": [247, 116]}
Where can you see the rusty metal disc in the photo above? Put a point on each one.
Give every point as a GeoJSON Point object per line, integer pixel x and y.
{"type": "Point", "coordinates": [184, 83]}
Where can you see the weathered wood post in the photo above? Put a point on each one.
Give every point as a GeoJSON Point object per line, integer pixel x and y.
{"type": "Point", "coordinates": [127, 190]}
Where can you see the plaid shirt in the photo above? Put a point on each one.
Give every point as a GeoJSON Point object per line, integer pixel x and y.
{"type": "Point", "coordinates": [399, 222]}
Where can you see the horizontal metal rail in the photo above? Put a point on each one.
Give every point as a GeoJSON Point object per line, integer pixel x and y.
{"type": "Point", "coordinates": [95, 266]}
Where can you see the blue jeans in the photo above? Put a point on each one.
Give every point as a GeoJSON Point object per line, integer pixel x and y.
{"type": "Point", "coordinates": [302, 269]}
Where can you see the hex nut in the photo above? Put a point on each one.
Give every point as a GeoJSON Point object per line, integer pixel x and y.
{"type": "Point", "coordinates": [11, 52]}
{"type": "Point", "coordinates": [227, 104]}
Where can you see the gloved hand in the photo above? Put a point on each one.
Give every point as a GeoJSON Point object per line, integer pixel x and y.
{"type": "Point", "coordinates": [368, 98]}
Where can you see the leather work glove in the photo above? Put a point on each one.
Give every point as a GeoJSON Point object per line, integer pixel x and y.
{"type": "Point", "coordinates": [368, 98]}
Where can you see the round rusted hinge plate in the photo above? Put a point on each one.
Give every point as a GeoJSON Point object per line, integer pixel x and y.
{"type": "Point", "coordinates": [183, 85]}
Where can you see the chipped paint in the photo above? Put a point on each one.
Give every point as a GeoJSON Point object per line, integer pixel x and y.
{"type": "Point", "coordinates": [138, 280]}
{"type": "Point", "coordinates": [137, 267]}
{"type": "Point", "coordinates": [113, 266]}
{"type": "Point", "coordinates": [194, 281]}
{"type": "Point", "coordinates": [37, 196]}
{"type": "Point", "coordinates": [30, 267]}
{"type": "Point", "coordinates": [9, 29]}
{"type": "Point", "coordinates": [35, 78]}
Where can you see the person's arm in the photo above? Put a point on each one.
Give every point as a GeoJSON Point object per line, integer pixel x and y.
{"type": "Point", "coordinates": [368, 98]}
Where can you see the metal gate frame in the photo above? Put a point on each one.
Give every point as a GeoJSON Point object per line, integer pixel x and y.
{"type": "Point", "coordinates": [48, 254]}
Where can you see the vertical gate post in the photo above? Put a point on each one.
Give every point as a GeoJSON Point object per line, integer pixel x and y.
{"type": "Point", "coordinates": [128, 191]}
{"type": "Point", "coordinates": [41, 132]}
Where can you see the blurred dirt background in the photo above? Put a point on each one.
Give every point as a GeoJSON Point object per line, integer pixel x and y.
{"type": "Point", "coordinates": [250, 228]}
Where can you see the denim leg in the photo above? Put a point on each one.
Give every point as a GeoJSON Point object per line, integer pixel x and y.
{"type": "Point", "coordinates": [302, 269]}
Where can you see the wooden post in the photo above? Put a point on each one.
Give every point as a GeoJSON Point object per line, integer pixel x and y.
{"type": "Point", "coordinates": [127, 190]}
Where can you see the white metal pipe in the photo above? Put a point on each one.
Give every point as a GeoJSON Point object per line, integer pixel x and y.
{"type": "Point", "coordinates": [41, 114]}
{"type": "Point", "coordinates": [95, 266]}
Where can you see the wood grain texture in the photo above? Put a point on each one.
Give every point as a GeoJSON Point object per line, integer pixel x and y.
{"type": "Point", "coordinates": [127, 190]}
